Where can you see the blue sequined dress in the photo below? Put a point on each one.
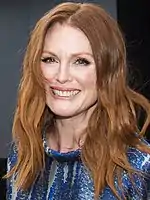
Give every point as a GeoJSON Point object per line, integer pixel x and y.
{"type": "Point", "coordinates": [66, 178]}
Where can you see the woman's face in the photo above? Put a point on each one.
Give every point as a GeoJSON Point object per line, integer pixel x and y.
{"type": "Point", "coordinates": [69, 70]}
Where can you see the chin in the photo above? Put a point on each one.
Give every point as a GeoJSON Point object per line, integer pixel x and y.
{"type": "Point", "coordinates": [62, 111]}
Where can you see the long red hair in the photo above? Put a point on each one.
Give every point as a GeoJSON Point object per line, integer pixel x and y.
{"type": "Point", "coordinates": [113, 124]}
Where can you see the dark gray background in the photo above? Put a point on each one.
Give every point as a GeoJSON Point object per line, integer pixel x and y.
{"type": "Point", "coordinates": [17, 19]}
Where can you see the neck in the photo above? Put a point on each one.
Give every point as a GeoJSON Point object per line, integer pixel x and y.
{"type": "Point", "coordinates": [70, 132]}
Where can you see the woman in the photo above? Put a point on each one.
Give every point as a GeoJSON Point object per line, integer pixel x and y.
{"type": "Point", "coordinates": [75, 128]}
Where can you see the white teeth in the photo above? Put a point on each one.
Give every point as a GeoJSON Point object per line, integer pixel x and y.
{"type": "Point", "coordinates": [65, 93]}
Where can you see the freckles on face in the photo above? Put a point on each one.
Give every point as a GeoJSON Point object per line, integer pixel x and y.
{"type": "Point", "coordinates": [68, 67]}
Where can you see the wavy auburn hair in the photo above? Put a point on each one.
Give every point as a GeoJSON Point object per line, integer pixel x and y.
{"type": "Point", "coordinates": [113, 124]}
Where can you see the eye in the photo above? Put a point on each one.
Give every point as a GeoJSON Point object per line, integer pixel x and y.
{"type": "Point", "coordinates": [49, 60]}
{"type": "Point", "coordinates": [82, 61]}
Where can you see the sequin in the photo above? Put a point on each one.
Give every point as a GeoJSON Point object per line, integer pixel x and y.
{"type": "Point", "coordinates": [66, 178]}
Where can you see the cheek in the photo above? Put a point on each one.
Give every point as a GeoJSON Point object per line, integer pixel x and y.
{"type": "Point", "coordinates": [46, 79]}
{"type": "Point", "coordinates": [47, 75]}
{"type": "Point", "coordinates": [89, 81]}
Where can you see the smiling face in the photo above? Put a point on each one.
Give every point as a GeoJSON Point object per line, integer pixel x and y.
{"type": "Point", "coordinates": [69, 70]}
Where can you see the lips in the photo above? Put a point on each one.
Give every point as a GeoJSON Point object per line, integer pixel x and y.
{"type": "Point", "coordinates": [64, 92]}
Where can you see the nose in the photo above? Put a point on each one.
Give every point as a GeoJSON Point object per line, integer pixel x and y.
{"type": "Point", "coordinates": [63, 74]}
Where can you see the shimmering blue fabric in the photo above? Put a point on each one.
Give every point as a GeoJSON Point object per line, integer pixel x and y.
{"type": "Point", "coordinates": [66, 178]}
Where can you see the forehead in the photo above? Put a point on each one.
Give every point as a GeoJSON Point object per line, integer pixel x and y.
{"type": "Point", "coordinates": [63, 37]}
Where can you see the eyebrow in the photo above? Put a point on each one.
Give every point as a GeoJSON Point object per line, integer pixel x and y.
{"type": "Point", "coordinates": [72, 55]}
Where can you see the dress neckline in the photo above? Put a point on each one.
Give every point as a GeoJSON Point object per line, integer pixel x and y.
{"type": "Point", "coordinates": [61, 156]}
